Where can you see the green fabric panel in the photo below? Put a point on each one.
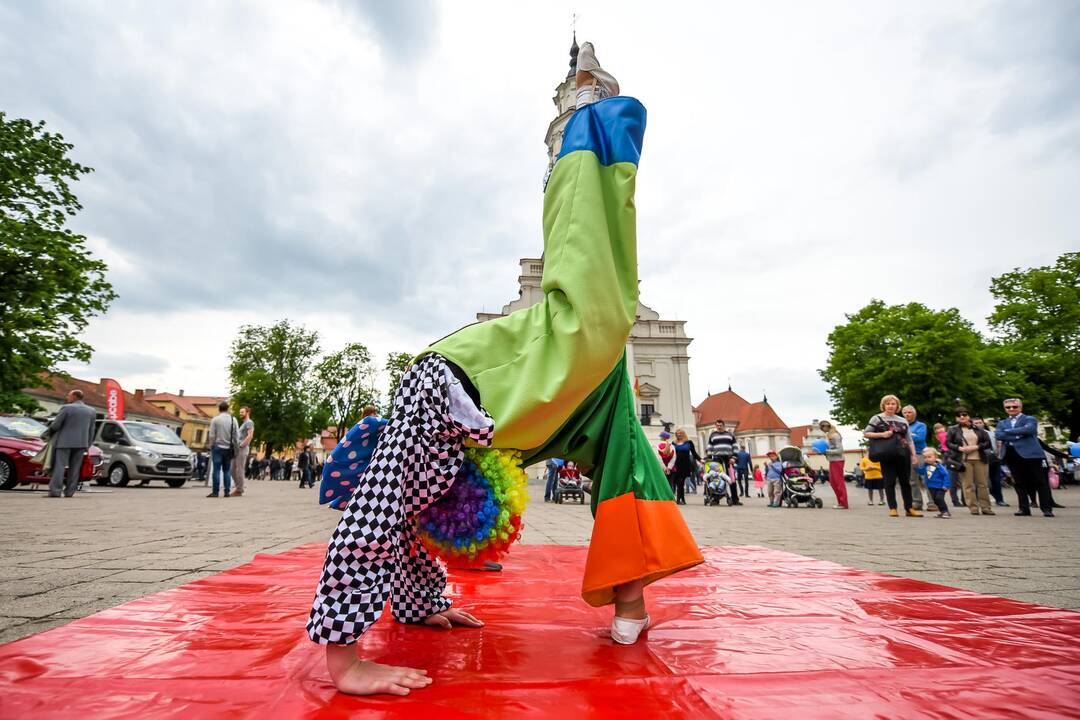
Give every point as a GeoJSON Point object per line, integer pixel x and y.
{"type": "Point", "coordinates": [534, 367]}
{"type": "Point", "coordinates": [604, 437]}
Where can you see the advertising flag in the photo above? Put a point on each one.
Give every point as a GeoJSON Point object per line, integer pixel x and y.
{"type": "Point", "coordinates": [114, 400]}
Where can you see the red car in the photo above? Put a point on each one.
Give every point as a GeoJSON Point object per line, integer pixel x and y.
{"type": "Point", "coordinates": [20, 440]}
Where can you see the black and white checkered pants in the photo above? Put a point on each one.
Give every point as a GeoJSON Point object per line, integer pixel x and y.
{"type": "Point", "coordinates": [374, 555]}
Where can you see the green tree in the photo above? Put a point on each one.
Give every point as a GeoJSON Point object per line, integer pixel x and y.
{"type": "Point", "coordinates": [396, 365]}
{"type": "Point", "coordinates": [50, 286]}
{"type": "Point", "coordinates": [270, 371]}
{"type": "Point", "coordinates": [344, 382]}
{"type": "Point", "coordinates": [929, 358]}
{"type": "Point", "coordinates": [1037, 320]}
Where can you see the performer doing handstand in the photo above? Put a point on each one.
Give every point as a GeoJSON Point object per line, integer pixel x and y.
{"type": "Point", "coordinates": [548, 381]}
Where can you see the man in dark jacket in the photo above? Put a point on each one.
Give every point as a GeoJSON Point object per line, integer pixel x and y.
{"type": "Point", "coordinates": [71, 432]}
{"type": "Point", "coordinates": [305, 462]}
{"type": "Point", "coordinates": [1018, 446]}
{"type": "Point", "coordinates": [742, 470]}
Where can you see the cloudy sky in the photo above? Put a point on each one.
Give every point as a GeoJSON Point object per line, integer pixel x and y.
{"type": "Point", "coordinates": [373, 169]}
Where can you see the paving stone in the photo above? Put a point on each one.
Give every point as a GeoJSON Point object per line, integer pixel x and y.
{"type": "Point", "coordinates": [125, 543]}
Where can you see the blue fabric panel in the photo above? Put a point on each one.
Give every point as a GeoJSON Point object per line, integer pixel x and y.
{"type": "Point", "coordinates": [613, 129]}
{"type": "Point", "coordinates": [348, 461]}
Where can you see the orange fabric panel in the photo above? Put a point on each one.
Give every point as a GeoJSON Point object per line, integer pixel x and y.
{"type": "Point", "coordinates": [635, 539]}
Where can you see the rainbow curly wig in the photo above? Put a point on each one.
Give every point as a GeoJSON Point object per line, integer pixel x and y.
{"type": "Point", "coordinates": [479, 517]}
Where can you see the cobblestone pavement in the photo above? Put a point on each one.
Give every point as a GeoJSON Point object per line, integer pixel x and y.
{"type": "Point", "coordinates": [65, 559]}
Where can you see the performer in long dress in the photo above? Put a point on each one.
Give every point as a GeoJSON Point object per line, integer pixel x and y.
{"type": "Point", "coordinates": [549, 381]}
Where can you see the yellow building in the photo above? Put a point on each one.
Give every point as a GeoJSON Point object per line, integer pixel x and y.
{"type": "Point", "coordinates": [195, 411]}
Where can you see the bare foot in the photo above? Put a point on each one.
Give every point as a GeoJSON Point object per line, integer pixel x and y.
{"type": "Point", "coordinates": [354, 676]}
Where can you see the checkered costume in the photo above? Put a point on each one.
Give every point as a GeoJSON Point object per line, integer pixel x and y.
{"type": "Point", "coordinates": [374, 554]}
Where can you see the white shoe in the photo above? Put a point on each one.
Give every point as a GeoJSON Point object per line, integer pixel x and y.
{"type": "Point", "coordinates": [625, 631]}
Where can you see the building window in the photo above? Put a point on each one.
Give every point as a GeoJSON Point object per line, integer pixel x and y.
{"type": "Point", "coordinates": [198, 436]}
{"type": "Point", "coordinates": [647, 411]}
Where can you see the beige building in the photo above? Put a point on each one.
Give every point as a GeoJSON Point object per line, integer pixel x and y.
{"type": "Point", "coordinates": [194, 411]}
{"type": "Point", "coordinates": [656, 352]}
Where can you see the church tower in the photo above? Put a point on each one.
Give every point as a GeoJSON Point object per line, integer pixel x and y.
{"type": "Point", "coordinates": [656, 351]}
{"type": "Point", "coordinates": [565, 102]}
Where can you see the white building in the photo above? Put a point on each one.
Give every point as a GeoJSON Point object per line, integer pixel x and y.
{"type": "Point", "coordinates": [656, 352]}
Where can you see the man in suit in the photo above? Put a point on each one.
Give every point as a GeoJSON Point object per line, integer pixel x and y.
{"type": "Point", "coordinates": [72, 431]}
{"type": "Point", "coordinates": [1018, 446]}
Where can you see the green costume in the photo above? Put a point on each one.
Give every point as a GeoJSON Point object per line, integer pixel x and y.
{"type": "Point", "coordinates": [553, 376]}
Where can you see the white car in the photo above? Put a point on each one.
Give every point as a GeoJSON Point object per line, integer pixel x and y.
{"type": "Point", "coordinates": [142, 451]}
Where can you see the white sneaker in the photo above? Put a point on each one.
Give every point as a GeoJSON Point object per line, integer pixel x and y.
{"type": "Point", "coordinates": [625, 631]}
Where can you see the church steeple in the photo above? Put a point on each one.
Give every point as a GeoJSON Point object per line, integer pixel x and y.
{"type": "Point", "coordinates": [573, 57]}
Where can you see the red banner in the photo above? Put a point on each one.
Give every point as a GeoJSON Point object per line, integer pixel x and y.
{"type": "Point", "coordinates": [114, 400]}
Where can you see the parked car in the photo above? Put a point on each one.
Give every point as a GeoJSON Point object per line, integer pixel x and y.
{"type": "Point", "coordinates": [142, 451]}
{"type": "Point", "coordinates": [20, 440]}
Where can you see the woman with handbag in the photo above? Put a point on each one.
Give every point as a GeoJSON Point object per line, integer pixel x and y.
{"type": "Point", "coordinates": [969, 457]}
{"type": "Point", "coordinates": [891, 445]}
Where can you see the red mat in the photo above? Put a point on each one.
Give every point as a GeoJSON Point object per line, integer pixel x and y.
{"type": "Point", "coordinates": [752, 633]}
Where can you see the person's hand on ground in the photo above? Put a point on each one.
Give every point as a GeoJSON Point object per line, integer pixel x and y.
{"type": "Point", "coordinates": [451, 617]}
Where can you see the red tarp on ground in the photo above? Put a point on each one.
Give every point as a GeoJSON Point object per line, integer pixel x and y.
{"type": "Point", "coordinates": [752, 633]}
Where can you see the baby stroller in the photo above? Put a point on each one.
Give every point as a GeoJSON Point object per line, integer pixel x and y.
{"type": "Point", "coordinates": [569, 488]}
{"type": "Point", "coordinates": [798, 484]}
{"type": "Point", "coordinates": [716, 487]}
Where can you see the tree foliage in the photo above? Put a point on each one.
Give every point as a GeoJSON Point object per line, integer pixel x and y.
{"type": "Point", "coordinates": [50, 286]}
{"type": "Point", "coordinates": [270, 371]}
{"type": "Point", "coordinates": [929, 358]}
{"type": "Point", "coordinates": [1037, 319]}
{"type": "Point", "coordinates": [396, 365]}
{"type": "Point", "coordinates": [344, 382]}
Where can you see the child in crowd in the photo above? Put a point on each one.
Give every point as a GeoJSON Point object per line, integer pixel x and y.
{"type": "Point", "coordinates": [941, 433]}
{"type": "Point", "coordinates": [717, 478]}
{"type": "Point", "coordinates": [759, 481]}
{"type": "Point", "coordinates": [937, 480]}
{"type": "Point", "coordinates": [774, 474]}
{"type": "Point", "coordinates": [872, 480]}
{"type": "Point", "coordinates": [666, 451]}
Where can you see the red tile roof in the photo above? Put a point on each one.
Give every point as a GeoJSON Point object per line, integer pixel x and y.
{"type": "Point", "coordinates": [727, 406]}
{"type": "Point", "coordinates": [57, 388]}
{"type": "Point", "coordinates": [761, 416]}
{"type": "Point", "coordinates": [733, 409]}
{"type": "Point", "coordinates": [188, 403]}
{"type": "Point", "coordinates": [799, 433]}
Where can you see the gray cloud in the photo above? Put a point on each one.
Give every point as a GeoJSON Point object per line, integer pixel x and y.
{"type": "Point", "coordinates": [230, 183]}
{"type": "Point", "coordinates": [404, 29]}
{"type": "Point", "coordinates": [119, 365]}
{"type": "Point", "coordinates": [1032, 49]}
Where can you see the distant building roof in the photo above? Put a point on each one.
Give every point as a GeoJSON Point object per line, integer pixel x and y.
{"type": "Point", "coordinates": [761, 416]}
{"type": "Point", "coordinates": [799, 433]}
{"type": "Point", "coordinates": [727, 406]}
{"type": "Point", "coordinates": [733, 409]}
{"type": "Point", "coordinates": [57, 387]}
{"type": "Point", "coordinates": [187, 403]}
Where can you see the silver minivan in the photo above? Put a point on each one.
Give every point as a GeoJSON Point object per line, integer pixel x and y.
{"type": "Point", "coordinates": [142, 451]}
